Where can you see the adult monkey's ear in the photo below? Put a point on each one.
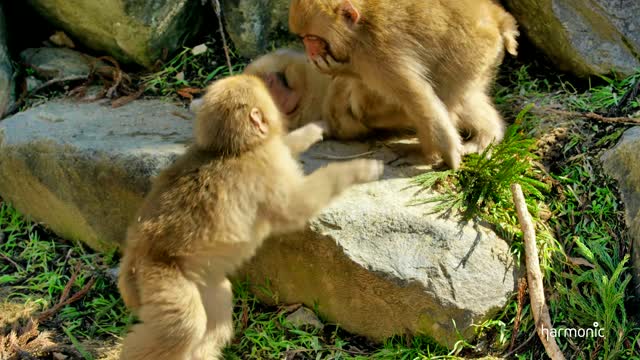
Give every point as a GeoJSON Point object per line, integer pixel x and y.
{"type": "Point", "coordinates": [349, 11]}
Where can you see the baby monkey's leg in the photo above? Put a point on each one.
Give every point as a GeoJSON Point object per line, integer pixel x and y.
{"type": "Point", "coordinates": [173, 319]}
{"type": "Point", "coordinates": [217, 299]}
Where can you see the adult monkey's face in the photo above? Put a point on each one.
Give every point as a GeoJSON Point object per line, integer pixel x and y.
{"type": "Point", "coordinates": [327, 29]}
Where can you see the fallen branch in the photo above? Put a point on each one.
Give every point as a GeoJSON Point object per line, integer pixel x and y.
{"type": "Point", "coordinates": [16, 105]}
{"type": "Point", "coordinates": [64, 298]}
{"type": "Point", "coordinates": [58, 80]}
{"type": "Point", "coordinates": [534, 277]}
{"type": "Point", "coordinates": [597, 117]}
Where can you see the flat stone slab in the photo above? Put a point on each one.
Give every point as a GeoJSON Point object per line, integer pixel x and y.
{"type": "Point", "coordinates": [370, 262]}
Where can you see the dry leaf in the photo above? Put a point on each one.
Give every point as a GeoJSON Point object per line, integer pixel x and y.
{"type": "Point", "coordinates": [188, 92]}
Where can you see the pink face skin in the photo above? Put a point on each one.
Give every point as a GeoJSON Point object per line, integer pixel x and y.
{"type": "Point", "coordinates": [285, 98]}
{"type": "Point", "coordinates": [314, 46]}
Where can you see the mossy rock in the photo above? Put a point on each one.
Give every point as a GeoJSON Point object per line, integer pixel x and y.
{"type": "Point", "coordinates": [130, 30]}
{"type": "Point", "coordinates": [586, 37]}
{"type": "Point", "coordinates": [256, 27]}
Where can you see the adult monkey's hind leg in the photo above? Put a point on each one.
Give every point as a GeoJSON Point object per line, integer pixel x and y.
{"type": "Point", "coordinates": [479, 116]}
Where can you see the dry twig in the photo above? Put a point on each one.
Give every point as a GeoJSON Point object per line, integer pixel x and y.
{"type": "Point", "coordinates": [534, 277]}
{"type": "Point", "coordinates": [596, 117]}
{"type": "Point", "coordinates": [10, 260]}
{"type": "Point", "coordinates": [218, 9]}
{"type": "Point", "coordinates": [16, 105]}
{"type": "Point", "coordinates": [64, 298]}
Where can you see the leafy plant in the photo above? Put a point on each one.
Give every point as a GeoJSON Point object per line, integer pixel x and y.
{"type": "Point", "coordinates": [481, 188]}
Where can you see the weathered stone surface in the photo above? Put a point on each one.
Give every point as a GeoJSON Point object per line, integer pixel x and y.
{"type": "Point", "coordinates": [83, 168]}
{"type": "Point", "coordinates": [621, 163]}
{"type": "Point", "coordinates": [369, 261]}
{"type": "Point", "coordinates": [130, 30]}
{"type": "Point", "coordinates": [6, 70]}
{"type": "Point", "coordinates": [59, 62]}
{"type": "Point", "coordinates": [584, 36]}
{"type": "Point", "coordinates": [254, 25]}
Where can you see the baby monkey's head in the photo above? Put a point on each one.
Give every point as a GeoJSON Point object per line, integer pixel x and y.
{"type": "Point", "coordinates": [237, 114]}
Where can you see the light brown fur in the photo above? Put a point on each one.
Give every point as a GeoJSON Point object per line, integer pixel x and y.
{"type": "Point", "coordinates": [302, 96]}
{"type": "Point", "coordinates": [436, 59]}
{"type": "Point", "coordinates": [348, 108]}
{"type": "Point", "coordinates": [209, 212]}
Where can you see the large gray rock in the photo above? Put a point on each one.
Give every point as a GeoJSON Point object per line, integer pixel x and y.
{"type": "Point", "coordinates": [369, 261]}
{"type": "Point", "coordinates": [130, 30]}
{"type": "Point", "coordinates": [254, 25]}
{"type": "Point", "coordinates": [6, 70]}
{"type": "Point", "coordinates": [621, 163]}
{"type": "Point", "coordinates": [83, 168]}
{"type": "Point", "coordinates": [584, 36]}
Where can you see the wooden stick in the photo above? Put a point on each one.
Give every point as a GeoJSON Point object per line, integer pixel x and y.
{"type": "Point", "coordinates": [539, 307]}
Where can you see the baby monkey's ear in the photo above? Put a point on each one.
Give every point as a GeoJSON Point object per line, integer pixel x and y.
{"type": "Point", "coordinates": [259, 122]}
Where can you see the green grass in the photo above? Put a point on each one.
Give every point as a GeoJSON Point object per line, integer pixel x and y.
{"type": "Point", "coordinates": [186, 70]}
{"type": "Point", "coordinates": [42, 264]}
{"type": "Point", "coordinates": [481, 188]}
{"type": "Point", "coordinates": [606, 94]}
{"type": "Point", "coordinates": [583, 247]}
{"type": "Point", "coordinates": [264, 333]}
{"type": "Point", "coordinates": [591, 226]}
{"type": "Point", "coordinates": [520, 84]}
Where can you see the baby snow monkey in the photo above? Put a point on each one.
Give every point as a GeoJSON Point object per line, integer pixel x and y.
{"type": "Point", "coordinates": [208, 213]}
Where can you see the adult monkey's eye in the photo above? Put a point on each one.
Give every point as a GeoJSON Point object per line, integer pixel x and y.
{"type": "Point", "coordinates": [283, 79]}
